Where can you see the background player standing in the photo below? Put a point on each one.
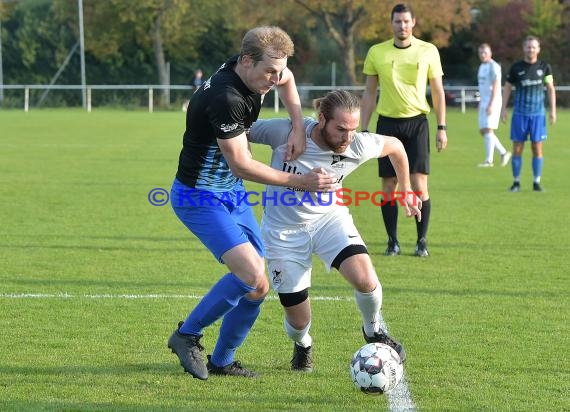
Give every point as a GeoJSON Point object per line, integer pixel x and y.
{"type": "Point", "coordinates": [489, 80]}
{"type": "Point", "coordinates": [529, 77]}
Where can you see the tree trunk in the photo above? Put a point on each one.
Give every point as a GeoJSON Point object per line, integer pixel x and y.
{"type": "Point", "coordinates": [345, 40]}
{"type": "Point", "coordinates": [163, 79]}
{"type": "Point", "coordinates": [348, 58]}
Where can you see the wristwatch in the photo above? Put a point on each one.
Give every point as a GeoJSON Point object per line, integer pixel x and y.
{"type": "Point", "coordinates": [441, 127]}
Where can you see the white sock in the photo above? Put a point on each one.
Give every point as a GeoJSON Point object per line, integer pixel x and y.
{"type": "Point", "coordinates": [489, 146]}
{"type": "Point", "coordinates": [369, 305]}
{"type": "Point", "coordinates": [497, 143]}
{"type": "Point", "coordinates": [301, 337]}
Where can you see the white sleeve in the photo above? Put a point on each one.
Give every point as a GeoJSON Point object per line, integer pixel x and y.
{"type": "Point", "coordinates": [497, 74]}
{"type": "Point", "coordinates": [368, 145]}
{"type": "Point", "coordinates": [272, 132]}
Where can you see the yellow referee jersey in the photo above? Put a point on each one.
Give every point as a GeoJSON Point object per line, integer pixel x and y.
{"type": "Point", "coordinates": [403, 76]}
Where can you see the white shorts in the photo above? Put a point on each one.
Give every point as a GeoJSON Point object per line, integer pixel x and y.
{"type": "Point", "coordinates": [289, 250]}
{"type": "Point", "coordinates": [489, 121]}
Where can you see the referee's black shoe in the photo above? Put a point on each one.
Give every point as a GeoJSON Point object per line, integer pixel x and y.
{"type": "Point", "coordinates": [393, 248]}
{"type": "Point", "coordinates": [421, 248]}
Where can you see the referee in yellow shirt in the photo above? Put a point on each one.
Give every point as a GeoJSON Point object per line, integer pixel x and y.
{"type": "Point", "coordinates": [402, 67]}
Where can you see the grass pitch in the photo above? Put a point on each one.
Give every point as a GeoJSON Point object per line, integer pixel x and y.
{"type": "Point", "coordinates": [93, 279]}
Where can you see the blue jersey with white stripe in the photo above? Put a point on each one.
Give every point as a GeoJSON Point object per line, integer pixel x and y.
{"type": "Point", "coordinates": [222, 108]}
{"type": "Point", "coordinates": [529, 80]}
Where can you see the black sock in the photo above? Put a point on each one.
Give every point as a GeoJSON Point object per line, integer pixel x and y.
{"type": "Point", "coordinates": [390, 216]}
{"type": "Point", "coordinates": [422, 227]}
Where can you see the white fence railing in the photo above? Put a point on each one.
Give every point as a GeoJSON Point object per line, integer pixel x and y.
{"type": "Point", "coordinates": [461, 96]}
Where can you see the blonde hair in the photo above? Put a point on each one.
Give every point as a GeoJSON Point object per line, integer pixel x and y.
{"type": "Point", "coordinates": [270, 40]}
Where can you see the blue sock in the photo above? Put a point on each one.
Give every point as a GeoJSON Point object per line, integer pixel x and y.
{"type": "Point", "coordinates": [516, 163]}
{"type": "Point", "coordinates": [236, 325]}
{"type": "Point", "coordinates": [537, 163]}
{"type": "Point", "coordinates": [222, 298]}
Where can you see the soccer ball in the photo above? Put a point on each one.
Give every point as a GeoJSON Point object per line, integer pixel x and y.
{"type": "Point", "coordinates": [376, 368]}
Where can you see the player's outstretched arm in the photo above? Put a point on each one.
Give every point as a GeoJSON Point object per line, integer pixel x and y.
{"type": "Point", "coordinates": [242, 165]}
{"type": "Point", "coordinates": [394, 149]}
{"type": "Point", "coordinates": [292, 102]}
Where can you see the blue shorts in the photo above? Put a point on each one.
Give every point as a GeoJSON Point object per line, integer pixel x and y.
{"type": "Point", "coordinates": [219, 219]}
{"type": "Point", "coordinates": [523, 126]}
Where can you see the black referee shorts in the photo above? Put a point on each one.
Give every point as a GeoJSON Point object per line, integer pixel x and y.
{"type": "Point", "coordinates": [413, 132]}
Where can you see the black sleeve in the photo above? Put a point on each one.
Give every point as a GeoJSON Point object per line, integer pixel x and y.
{"type": "Point", "coordinates": [227, 114]}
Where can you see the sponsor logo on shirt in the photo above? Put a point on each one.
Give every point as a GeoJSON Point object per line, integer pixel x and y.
{"type": "Point", "coordinates": [525, 83]}
{"type": "Point", "coordinates": [228, 127]}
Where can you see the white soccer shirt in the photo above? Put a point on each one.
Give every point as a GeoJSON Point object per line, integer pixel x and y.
{"type": "Point", "coordinates": [488, 73]}
{"type": "Point", "coordinates": [287, 206]}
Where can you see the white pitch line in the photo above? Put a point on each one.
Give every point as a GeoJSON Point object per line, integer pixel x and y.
{"type": "Point", "coordinates": [400, 399]}
{"type": "Point", "coordinates": [66, 295]}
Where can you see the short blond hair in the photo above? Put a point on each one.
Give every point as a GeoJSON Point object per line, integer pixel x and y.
{"type": "Point", "coordinates": [270, 40]}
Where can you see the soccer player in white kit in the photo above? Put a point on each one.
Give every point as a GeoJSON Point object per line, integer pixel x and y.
{"type": "Point", "coordinates": [297, 224]}
{"type": "Point", "coordinates": [489, 79]}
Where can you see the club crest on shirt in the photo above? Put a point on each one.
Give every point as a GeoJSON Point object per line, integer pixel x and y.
{"type": "Point", "coordinates": [539, 72]}
{"type": "Point", "coordinates": [276, 276]}
{"type": "Point", "coordinates": [336, 161]}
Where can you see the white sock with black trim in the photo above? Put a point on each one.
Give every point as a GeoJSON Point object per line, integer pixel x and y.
{"type": "Point", "coordinates": [369, 305]}
{"type": "Point", "coordinates": [301, 337]}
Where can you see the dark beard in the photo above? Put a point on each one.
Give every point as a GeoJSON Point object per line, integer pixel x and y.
{"type": "Point", "coordinates": [326, 139]}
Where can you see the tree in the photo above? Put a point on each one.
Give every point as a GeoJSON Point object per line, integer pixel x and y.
{"type": "Point", "coordinates": [545, 18]}
{"type": "Point", "coordinates": [35, 44]}
{"type": "Point", "coordinates": [548, 20]}
{"type": "Point", "coordinates": [340, 21]}
{"type": "Point", "coordinates": [159, 30]}
{"type": "Point", "coordinates": [504, 27]}
{"type": "Point", "coordinates": [350, 22]}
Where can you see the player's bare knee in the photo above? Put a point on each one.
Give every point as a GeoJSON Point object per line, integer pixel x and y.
{"type": "Point", "coordinates": [258, 294]}
{"type": "Point", "coordinates": [367, 284]}
{"type": "Point", "coordinates": [262, 287]}
{"type": "Point", "coordinates": [260, 282]}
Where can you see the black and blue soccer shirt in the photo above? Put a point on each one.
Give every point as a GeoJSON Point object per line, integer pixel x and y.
{"type": "Point", "coordinates": [222, 108]}
{"type": "Point", "coordinates": [529, 80]}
